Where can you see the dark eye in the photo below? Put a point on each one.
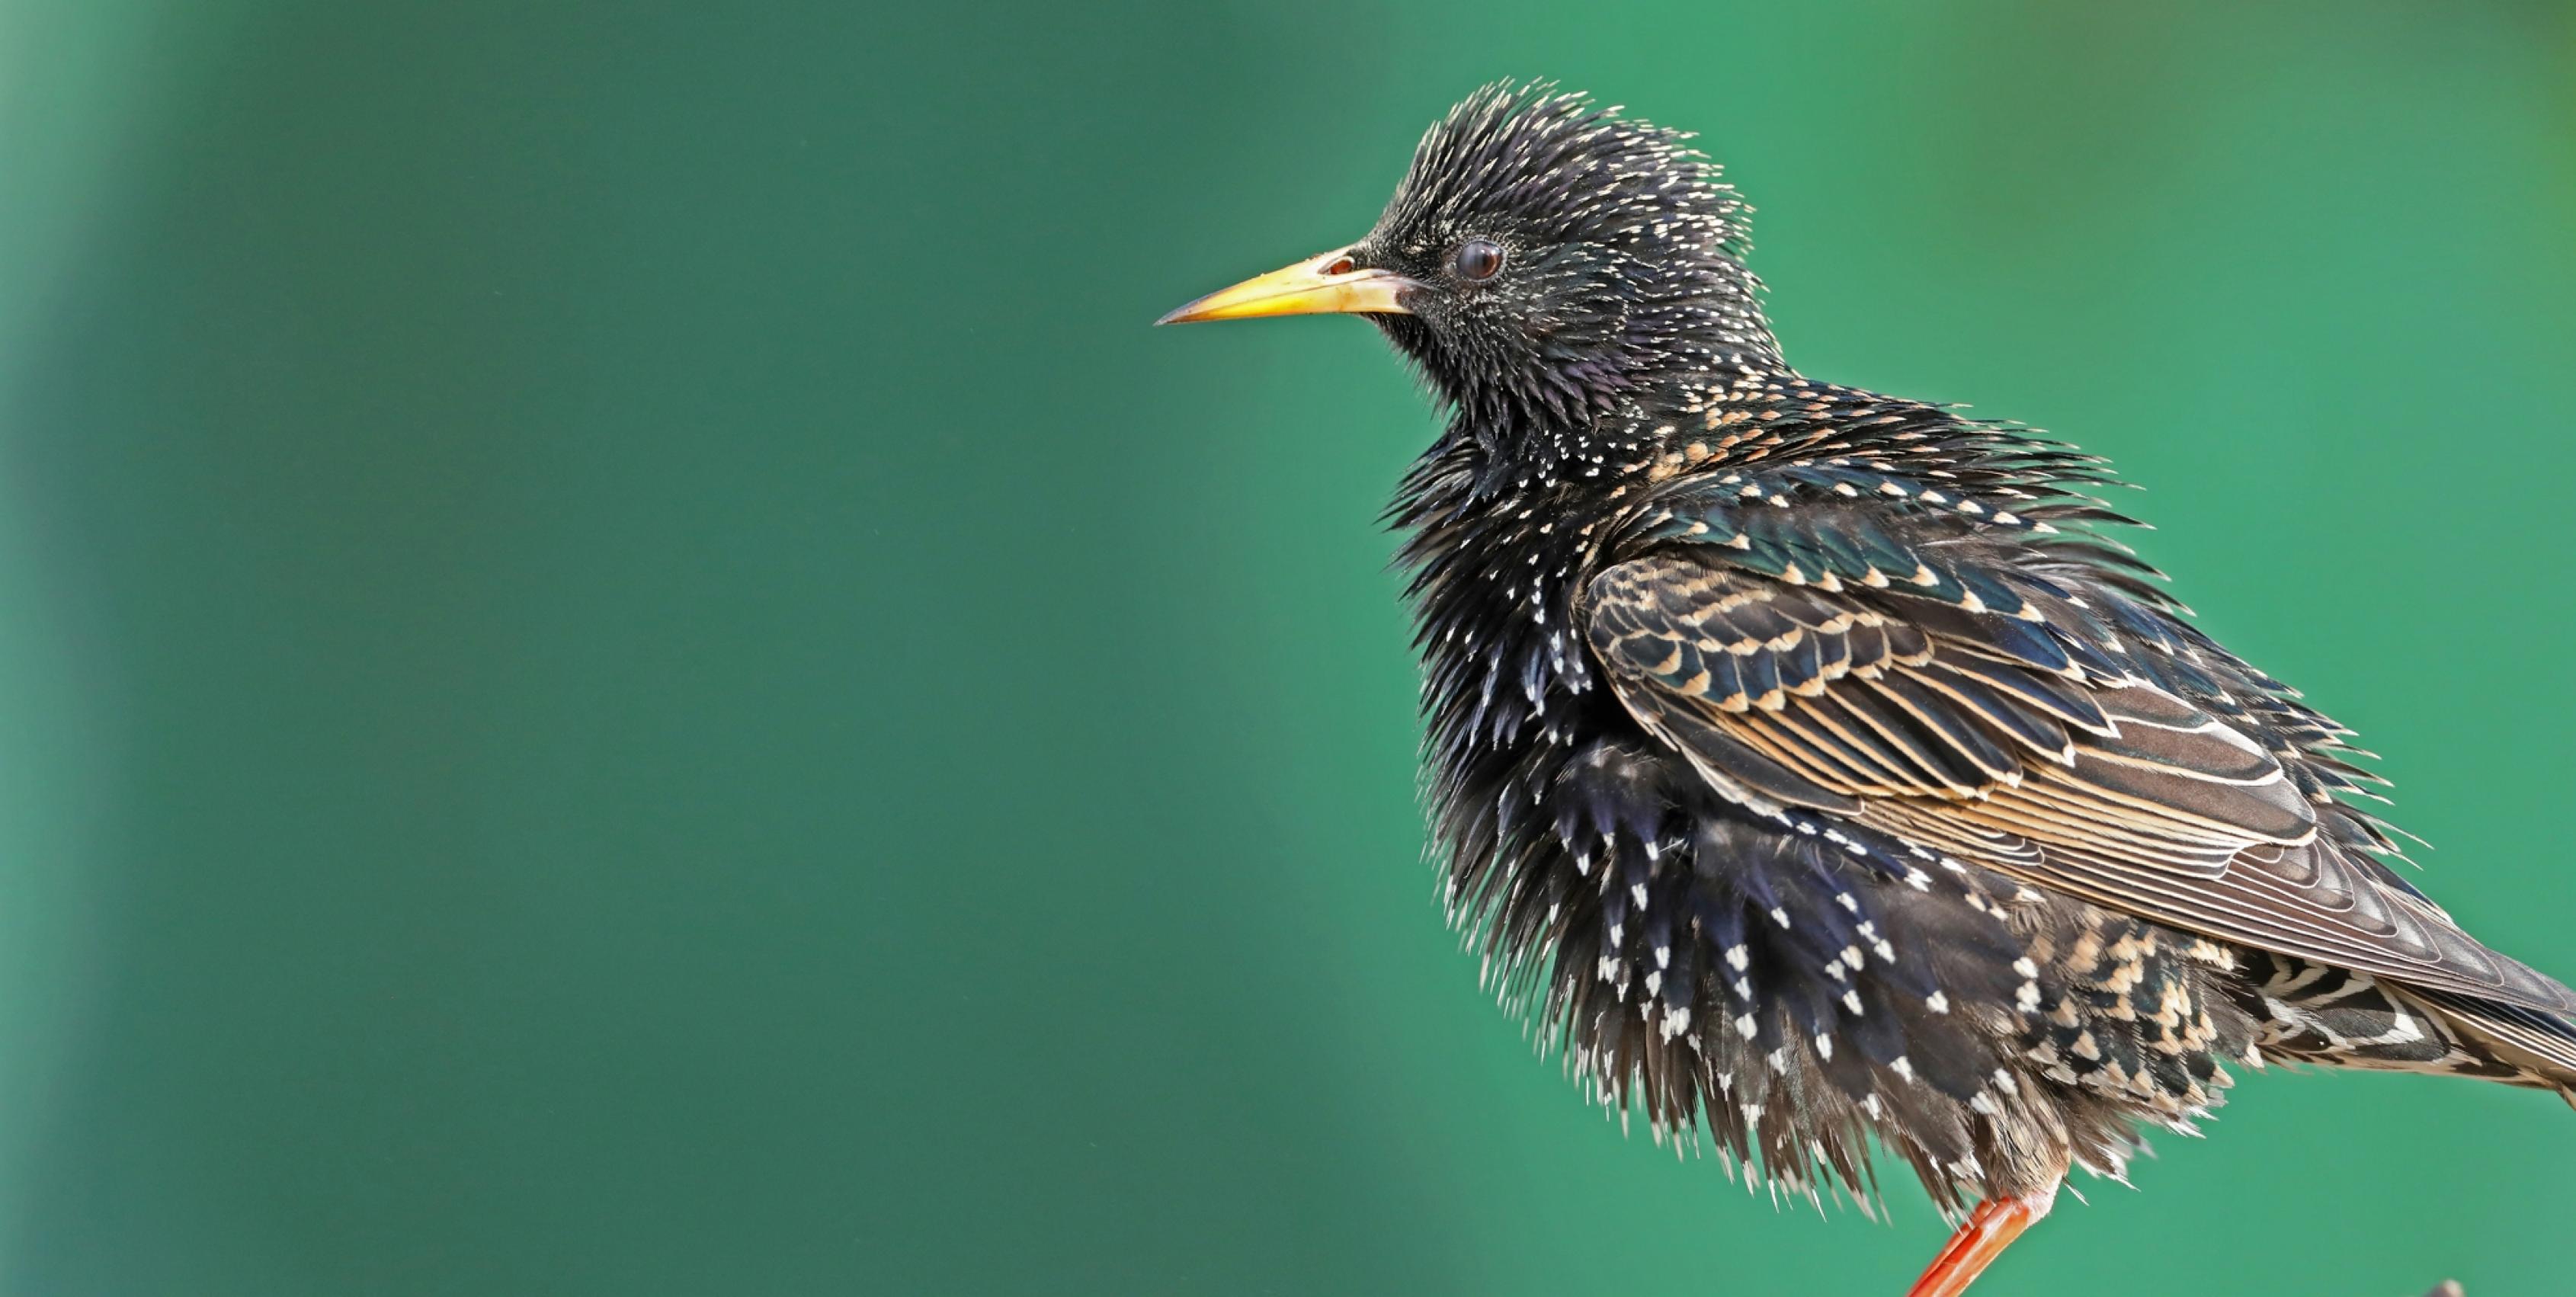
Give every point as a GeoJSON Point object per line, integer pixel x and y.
{"type": "Point", "coordinates": [1479, 259]}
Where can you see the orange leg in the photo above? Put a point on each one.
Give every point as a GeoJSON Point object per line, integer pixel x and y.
{"type": "Point", "coordinates": [1991, 1227]}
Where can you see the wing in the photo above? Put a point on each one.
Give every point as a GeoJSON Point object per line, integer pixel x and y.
{"type": "Point", "coordinates": [2000, 737]}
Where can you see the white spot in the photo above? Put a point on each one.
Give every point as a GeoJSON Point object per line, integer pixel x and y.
{"type": "Point", "coordinates": [1937, 1002]}
{"type": "Point", "coordinates": [1744, 1026]}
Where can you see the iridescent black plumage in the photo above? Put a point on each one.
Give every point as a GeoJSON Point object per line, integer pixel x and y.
{"type": "Point", "coordinates": [1810, 764]}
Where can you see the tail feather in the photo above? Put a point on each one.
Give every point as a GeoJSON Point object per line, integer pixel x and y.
{"type": "Point", "coordinates": [2316, 1013]}
{"type": "Point", "coordinates": [2540, 1046]}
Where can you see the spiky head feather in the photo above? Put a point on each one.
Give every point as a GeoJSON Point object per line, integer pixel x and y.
{"type": "Point", "coordinates": [1623, 260]}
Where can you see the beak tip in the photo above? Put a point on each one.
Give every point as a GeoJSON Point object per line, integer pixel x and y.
{"type": "Point", "coordinates": [1186, 313]}
{"type": "Point", "coordinates": [1315, 286]}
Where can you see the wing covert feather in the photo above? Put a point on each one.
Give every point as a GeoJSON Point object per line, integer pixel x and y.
{"type": "Point", "coordinates": [1987, 737]}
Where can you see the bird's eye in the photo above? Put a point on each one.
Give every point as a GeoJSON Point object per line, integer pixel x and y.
{"type": "Point", "coordinates": [1479, 260]}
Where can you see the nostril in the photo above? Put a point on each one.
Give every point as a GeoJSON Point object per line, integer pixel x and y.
{"type": "Point", "coordinates": [1341, 266]}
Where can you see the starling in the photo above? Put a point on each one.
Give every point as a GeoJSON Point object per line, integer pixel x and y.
{"type": "Point", "coordinates": [1814, 765]}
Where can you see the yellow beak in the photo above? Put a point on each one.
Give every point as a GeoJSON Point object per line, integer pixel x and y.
{"type": "Point", "coordinates": [1328, 284]}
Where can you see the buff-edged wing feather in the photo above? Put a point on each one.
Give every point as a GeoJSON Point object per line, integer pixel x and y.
{"type": "Point", "coordinates": [1967, 734]}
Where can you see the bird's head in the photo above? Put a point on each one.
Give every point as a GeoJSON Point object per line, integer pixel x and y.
{"type": "Point", "coordinates": [1543, 259]}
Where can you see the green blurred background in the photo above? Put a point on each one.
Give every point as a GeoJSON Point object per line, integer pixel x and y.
{"type": "Point", "coordinates": [628, 671]}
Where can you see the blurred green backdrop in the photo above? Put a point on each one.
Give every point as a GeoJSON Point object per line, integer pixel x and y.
{"type": "Point", "coordinates": [628, 671]}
